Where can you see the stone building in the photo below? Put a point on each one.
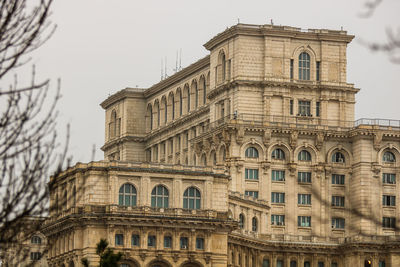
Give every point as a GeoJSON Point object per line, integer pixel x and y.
{"type": "Point", "coordinates": [250, 156]}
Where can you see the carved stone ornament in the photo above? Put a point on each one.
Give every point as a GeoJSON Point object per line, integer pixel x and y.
{"type": "Point", "coordinates": [293, 139]}
{"type": "Point", "coordinates": [206, 145]}
{"type": "Point", "coordinates": [175, 257]}
{"type": "Point", "coordinates": [216, 139]}
{"type": "Point", "coordinates": [266, 165]}
{"type": "Point", "coordinates": [376, 169]}
{"type": "Point", "coordinates": [292, 168]}
{"type": "Point", "coordinates": [142, 256]}
{"type": "Point", "coordinates": [319, 140]}
{"type": "Point", "coordinates": [328, 171]}
{"type": "Point", "coordinates": [197, 148]}
{"type": "Point", "coordinates": [240, 135]}
{"type": "Point", "coordinates": [378, 140]}
{"type": "Point", "coordinates": [267, 137]}
{"type": "Point", "coordinates": [226, 136]}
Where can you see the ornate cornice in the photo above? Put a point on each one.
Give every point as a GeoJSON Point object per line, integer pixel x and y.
{"type": "Point", "coordinates": [278, 31]}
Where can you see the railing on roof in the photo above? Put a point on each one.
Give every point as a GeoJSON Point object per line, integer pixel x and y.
{"type": "Point", "coordinates": [303, 122]}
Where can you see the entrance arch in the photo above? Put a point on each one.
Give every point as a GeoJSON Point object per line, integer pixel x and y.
{"type": "Point", "coordinates": [191, 264]}
{"type": "Point", "coordinates": [159, 263]}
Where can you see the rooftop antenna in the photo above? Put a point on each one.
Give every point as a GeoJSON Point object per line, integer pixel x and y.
{"type": "Point", "coordinates": [162, 73]}
{"type": "Point", "coordinates": [272, 23]}
{"type": "Point", "coordinates": [176, 62]}
{"type": "Point", "coordinates": [238, 21]}
{"type": "Point", "coordinates": [341, 28]}
{"type": "Point", "coordinates": [165, 72]}
{"type": "Point", "coordinates": [180, 59]}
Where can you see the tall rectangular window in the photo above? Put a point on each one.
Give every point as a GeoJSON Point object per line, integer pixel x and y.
{"type": "Point", "coordinates": [337, 201]}
{"type": "Point", "coordinates": [338, 223]}
{"type": "Point", "coordinates": [251, 193]}
{"type": "Point", "coordinates": [265, 263]}
{"type": "Point", "coordinates": [389, 222]}
{"type": "Point", "coordinates": [291, 68]}
{"type": "Point", "coordinates": [320, 263]}
{"type": "Point", "coordinates": [304, 108]}
{"type": "Point", "coordinates": [277, 197]}
{"type": "Point", "coordinates": [278, 175]}
{"type": "Point", "coordinates": [279, 263]}
{"type": "Point", "coordinates": [199, 243]}
{"type": "Point", "coordinates": [151, 241]}
{"type": "Point", "coordinates": [184, 243]}
{"type": "Point", "coordinates": [389, 178]}
{"type": "Point", "coordinates": [278, 219]}
{"type": "Point", "coordinates": [318, 67]}
{"type": "Point", "coordinates": [382, 264]}
{"type": "Point", "coordinates": [251, 174]}
{"type": "Point", "coordinates": [304, 177]}
{"type": "Point", "coordinates": [388, 200]}
{"type": "Point", "coordinates": [167, 242]}
{"type": "Point", "coordinates": [119, 239]}
{"type": "Point", "coordinates": [337, 179]}
{"type": "Point", "coordinates": [291, 106]}
{"type": "Point", "coordinates": [304, 199]}
{"type": "Point", "coordinates": [135, 240]}
{"type": "Point", "coordinates": [317, 108]}
{"type": "Point", "coordinates": [35, 256]}
{"type": "Point", "coordinates": [304, 221]}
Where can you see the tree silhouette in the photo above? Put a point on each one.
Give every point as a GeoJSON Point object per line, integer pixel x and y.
{"type": "Point", "coordinates": [107, 256]}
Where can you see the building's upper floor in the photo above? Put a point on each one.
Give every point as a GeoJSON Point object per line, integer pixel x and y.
{"type": "Point", "coordinates": [277, 71]}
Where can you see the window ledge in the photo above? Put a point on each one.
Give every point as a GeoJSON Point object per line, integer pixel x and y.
{"type": "Point", "coordinates": [278, 204]}
{"type": "Point", "coordinates": [304, 205]}
{"type": "Point", "coordinates": [277, 226]}
{"type": "Point", "coordinates": [304, 227]}
{"type": "Point", "coordinates": [278, 182]}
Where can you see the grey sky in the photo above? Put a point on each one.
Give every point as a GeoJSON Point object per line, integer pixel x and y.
{"type": "Point", "coordinates": [103, 46]}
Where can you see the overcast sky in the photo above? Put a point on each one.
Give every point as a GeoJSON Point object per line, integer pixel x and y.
{"type": "Point", "coordinates": [101, 47]}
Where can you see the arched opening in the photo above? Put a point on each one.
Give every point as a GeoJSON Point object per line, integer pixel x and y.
{"type": "Point", "coordinates": [179, 101]}
{"type": "Point", "coordinates": [127, 195]}
{"type": "Point", "coordinates": [192, 199]}
{"type": "Point", "coordinates": [202, 90]}
{"type": "Point", "coordinates": [164, 110]}
{"type": "Point", "coordinates": [157, 113]}
{"type": "Point", "coordinates": [278, 154]}
{"type": "Point", "coordinates": [338, 157]}
{"type": "Point", "coordinates": [195, 93]}
{"type": "Point", "coordinates": [304, 155]}
{"type": "Point", "coordinates": [186, 98]}
{"type": "Point", "coordinates": [251, 152]}
{"type": "Point", "coordinates": [149, 118]}
{"type": "Point", "coordinates": [221, 67]}
{"type": "Point", "coordinates": [241, 221]}
{"type": "Point", "coordinates": [388, 157]}
{"type": "Point", "coordinates": [171, 107]}
{"type": "Point", "coordinates": [160, 197]}
{"type": "Point", "coordinates": [113, 125]}
{"type": "Point", "coordinates": [158, 263]}
{"type": "Point", "coordinates": [304, 66]}
{"type": "Point", "coordinates": [191, 264]}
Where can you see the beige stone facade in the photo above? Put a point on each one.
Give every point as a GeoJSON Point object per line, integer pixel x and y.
{"type": "Point", "coordinates": [250, 156]}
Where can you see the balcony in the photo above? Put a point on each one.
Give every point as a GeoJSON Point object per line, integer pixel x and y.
{"type": "Point", "coordinates": [303, 122]}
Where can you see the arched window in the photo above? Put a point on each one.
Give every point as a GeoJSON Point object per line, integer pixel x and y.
{"type": "Point", "coordinates": [251, 152]}
{"type": "Point", "coordinates": [127, 195]}
{"type": "Point", "coordinates": [254, 224]}
{"type": "Point", "coordinates": [204, 91]}
{"type": "Point", "coordinates": [214, 158]}
{"type": "Point", "coordinates": [338, 157]}
{"type": "Point", "coordinates": [196, 94]}
{"type": "Point", "coordinates": [191, 199]}
{"type": "Point", "coordinates": [113, 125]}
{"type": "Point", "coordinates": [36, 240]}
{"type": "Point", "coordinates": [388, 157]}
{"type": "Point", "coordinates": [74, 196]}
{"type": "Point", "coordinates": [241, 221]}
{"type": "Point", "coordinates": [304, 155]}
{"type": "Point", "coordinates": [180, 102]}
{"type": "Point", "coordinates": [278, 154]}
{"type": "Point", "coordinates": [159, 197]}
{"type": "Point", "coordinates": [186, 91]}
{"type": "Point", "coordinates": [304, 66]}
{"type": "Point", "coordinates": [149, 117]}
{"type": "Point", "coordinates": [157, 106]}
{"type": "Point", "coordinates": [173, 107]}
{"type": "Point", "coordinates": [165, 111]}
